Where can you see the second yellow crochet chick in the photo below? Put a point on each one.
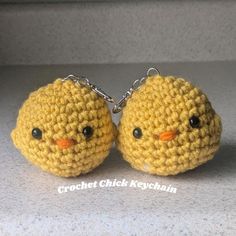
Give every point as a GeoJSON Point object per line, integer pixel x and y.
{"type": "Point", "coordinates": [168, 126]}
{"type": "Point", "coordinates": [64, 128]}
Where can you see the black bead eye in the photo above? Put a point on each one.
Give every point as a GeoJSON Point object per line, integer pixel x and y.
{"type": "Point", "coordinates": [36, 133]}
{"type": "Point", "coordinates": [87, 132]}
{"type": "Point", "coordinates": [137, 133]}
{"type": "Point", "coordinates": [194, 122]}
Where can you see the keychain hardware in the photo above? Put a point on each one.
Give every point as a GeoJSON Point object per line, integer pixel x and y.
{"type": "Point", "coordinates": [135, 86]}
{"type": "Point", "coordinates": [82, 80]}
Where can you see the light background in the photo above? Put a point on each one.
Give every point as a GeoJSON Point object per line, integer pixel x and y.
{"type": "Point", "coordinates": [205, 202]}
{"type": "Point", "coordinates": [117, 32]}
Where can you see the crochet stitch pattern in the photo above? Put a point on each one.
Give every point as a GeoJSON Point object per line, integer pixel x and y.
{"type": "Point", "coordinates": [64, 128]}
{"type": "Point", "coordinates": [168, 126]}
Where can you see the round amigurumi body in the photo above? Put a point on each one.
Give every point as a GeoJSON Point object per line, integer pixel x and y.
{"type": "Point", "coordinates": [65, 128]}
{"type": "Point", "coordinates": [167, 127]}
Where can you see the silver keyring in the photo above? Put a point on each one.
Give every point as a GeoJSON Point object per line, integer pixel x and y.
{"type": "Point", "coordinates": [152, 71]}
{"type": "Point", "coordinates": [82, 80]}
{"type": "Point", "coordinates": [135, 86]}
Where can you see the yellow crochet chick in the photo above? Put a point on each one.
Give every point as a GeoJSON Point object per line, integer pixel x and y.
{"type": "Point", "coordinates": [65, 128]}
{"type": "Point", "coordinates": [167, 127]}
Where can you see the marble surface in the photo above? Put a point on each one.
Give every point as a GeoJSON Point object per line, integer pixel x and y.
{"type": "Point", "coordinates": [205, 201]}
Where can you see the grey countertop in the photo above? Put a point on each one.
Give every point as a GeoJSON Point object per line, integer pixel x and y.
{"type": "Point", "coordinates": [205, 201]}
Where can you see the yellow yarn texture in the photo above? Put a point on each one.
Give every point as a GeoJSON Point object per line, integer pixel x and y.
{"type": "Point", "coordinates": [163, 109]}
{"type": "Point", "coordinates": [62, 110]}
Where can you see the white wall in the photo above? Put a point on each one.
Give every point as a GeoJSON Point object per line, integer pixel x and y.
{"type": "Point", "coordinates": [117, 32]}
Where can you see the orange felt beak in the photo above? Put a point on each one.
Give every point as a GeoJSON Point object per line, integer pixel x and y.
{"type": "Point", "coordinates": [167, 135]}
{"type": "Point", "coordinates": [65, 143]}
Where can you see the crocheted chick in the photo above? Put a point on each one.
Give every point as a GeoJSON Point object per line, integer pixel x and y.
{"type": "Point", "coordinates": [168, 126]}
{"type": "Point", "coordinates": [64, 128]}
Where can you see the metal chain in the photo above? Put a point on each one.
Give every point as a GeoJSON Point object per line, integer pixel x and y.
{"type": "Point", "coordinates": [82, 80]}
{"type": "Point", "coordinates": [135, 86]}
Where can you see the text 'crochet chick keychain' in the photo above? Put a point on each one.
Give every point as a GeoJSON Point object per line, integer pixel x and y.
{"type": "Point", "coordinates": [65, 127]}
{"type": "Point", "coordinates": [167, 126]}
